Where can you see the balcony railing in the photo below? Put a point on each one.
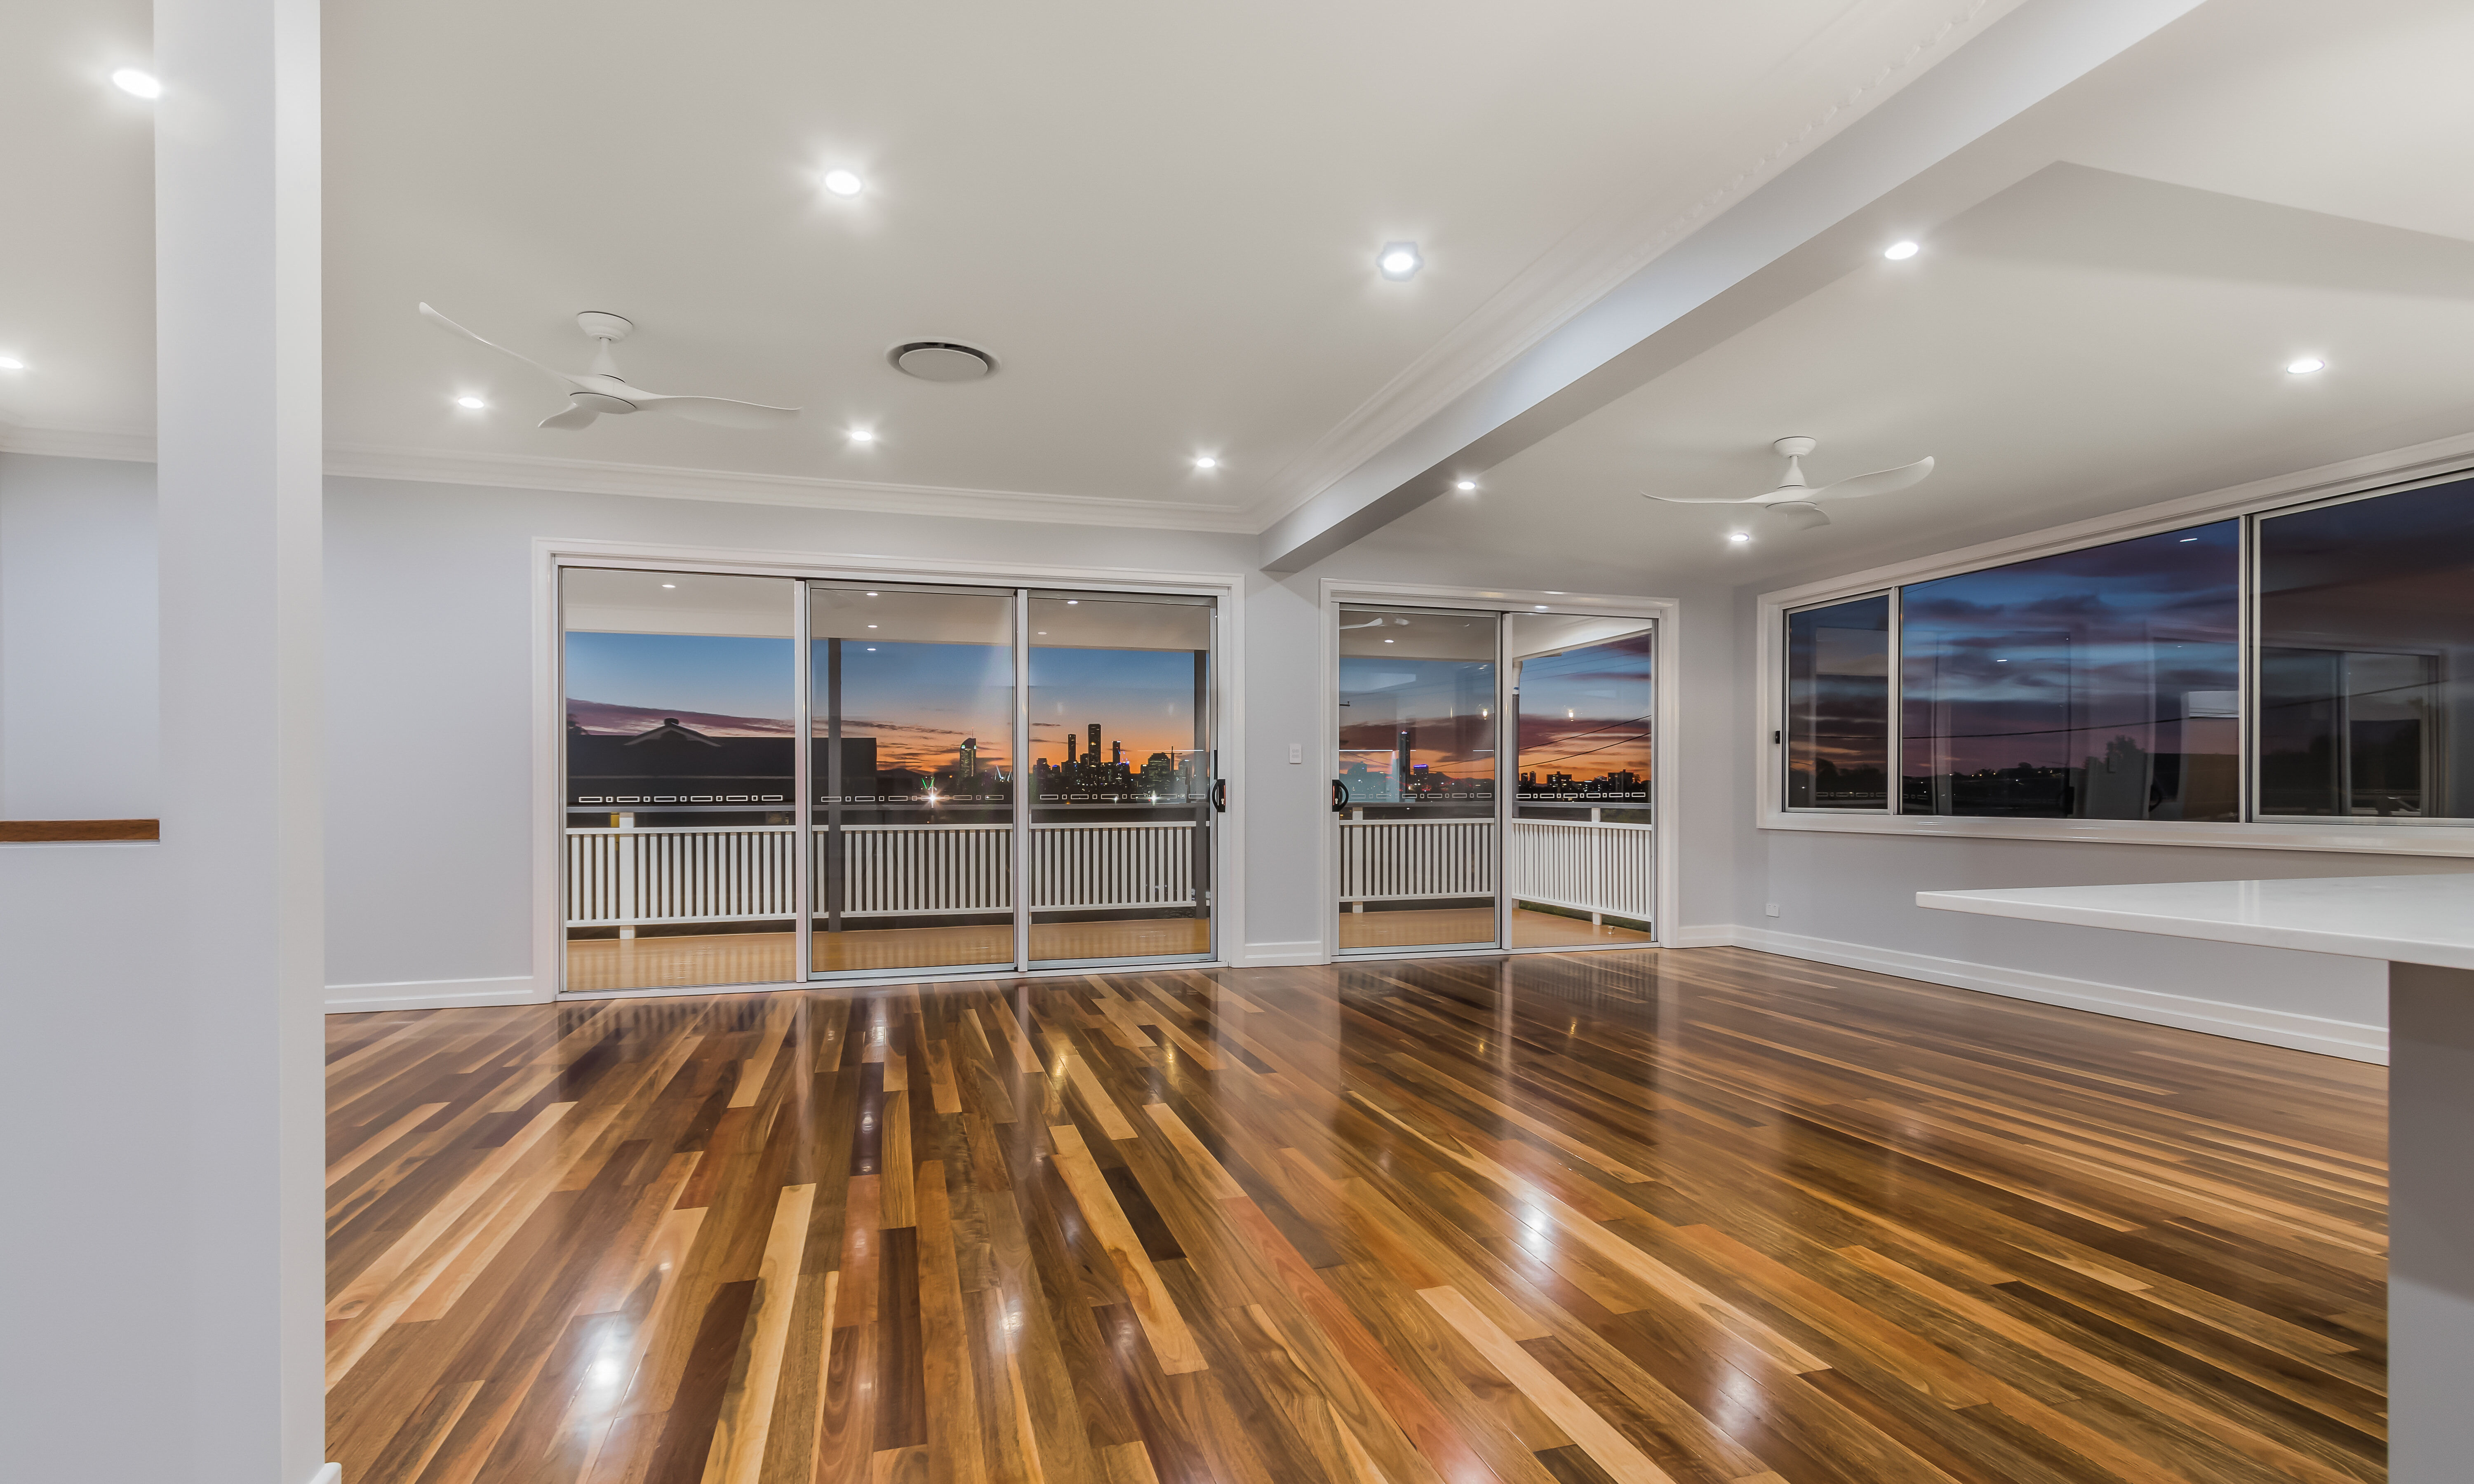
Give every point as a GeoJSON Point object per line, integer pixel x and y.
{"type": "Point", "coordinates": [743, 873]}
{"type": "Point", "coordinates": [1585, 866]}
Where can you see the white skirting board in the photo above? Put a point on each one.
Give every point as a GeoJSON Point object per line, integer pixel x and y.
{"type": "Point", "coordinates": [2217, 1018]}
{"type": "Point", "coordinates": [347, 999]}
{"type": "Point", "coordinates": [1276, 955]}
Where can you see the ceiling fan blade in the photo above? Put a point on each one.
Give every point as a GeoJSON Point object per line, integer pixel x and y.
{"type": "Point", "coordinates": [1879, 482]}
{"type": "Point", "coordinates": [434, 315]}
{"type": "Point", "coordinates": [1669, 499]}
{"type": "Point", "coordinates": [719, 411]}
{"type": "Point", "coordinates": [576, 416]}
{"type": "Point", "coordinates": [1799, 514]}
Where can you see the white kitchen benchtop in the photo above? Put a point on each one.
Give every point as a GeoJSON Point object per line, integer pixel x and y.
{"type": "Point", "coordinates": [2409, 920]}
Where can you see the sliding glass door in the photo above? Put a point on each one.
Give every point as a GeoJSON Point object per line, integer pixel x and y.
{"type": "Point", "coordinates": [1581, 844]}
{"type": "Point", "coordinates": [910, 707]}
{"type": "Point", "coordinates": [680, 795]}
{"type": "Point", "coordinates": [1494, 780]}
{"type": "Point", "coordinates": [992, 778]}
{"type": "Point", "coordinates": [1123, 784]}
{"type": "Point", "coordinates": [1416, 782]}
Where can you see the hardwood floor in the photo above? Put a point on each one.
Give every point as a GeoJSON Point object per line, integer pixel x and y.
{"type": "Point", "coordinates": [1701, 1215]}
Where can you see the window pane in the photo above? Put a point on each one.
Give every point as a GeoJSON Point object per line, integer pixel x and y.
{"type": "Point", "coordinates": [2094, 684]}
{"type": "Point", "coordinates": [1415, 783]}
{"type": "Point", "coordinates": [1581, 861]}
{"type": "Point", "coordinates": [1121, 777]}
{"type": "Point", "coordinates": [2367, 625]}
{"type": "Point", "coordinates": [911, 706]}
{"type": "Point", "coordinates": [1838, 706]}
{"type": "Point", "coordinates": [680, 806]}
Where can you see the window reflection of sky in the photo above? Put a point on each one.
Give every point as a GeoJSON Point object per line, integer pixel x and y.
{"type": "Point", "coordinates": [2101, 653]}
{"type": "Point", "coordinates": [1586, 711]}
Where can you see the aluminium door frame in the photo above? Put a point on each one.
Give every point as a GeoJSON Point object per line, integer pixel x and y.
{"type": "Point", "coordinates": [545, 983]}
{"type": "Point", "coordinates": [1666, 673]}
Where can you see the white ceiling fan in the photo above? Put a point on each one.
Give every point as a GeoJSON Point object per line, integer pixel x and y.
{"type": "Point", "coordinates": [1795, 500]}
{"type": "Point", "coordinates": [602, 392]}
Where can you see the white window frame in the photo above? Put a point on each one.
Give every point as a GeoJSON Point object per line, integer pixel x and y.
{"type": "Point", "coordinates": [551, 553]}
{"type": "Point", "coordinates": [1667, 716]}
{"type": "Point", "coordinates": [2426, 464]}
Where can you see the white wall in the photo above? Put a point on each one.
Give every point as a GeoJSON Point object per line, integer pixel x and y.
{"type": "Point", "coordinates": [430, 705]}
{"type": "Point", "coordinates": [77, 695]}
{"type": "Point", "coordinates": [430, 696]}
{"type": "Point", "coordinates": [76, 558]}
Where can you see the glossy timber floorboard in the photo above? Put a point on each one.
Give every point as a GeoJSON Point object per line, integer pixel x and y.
{"type": "Point", "coordinates": [1703, 1215]}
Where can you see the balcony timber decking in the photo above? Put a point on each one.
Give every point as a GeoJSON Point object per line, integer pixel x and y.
{"type": "Point", "coordinates": [690, 960]}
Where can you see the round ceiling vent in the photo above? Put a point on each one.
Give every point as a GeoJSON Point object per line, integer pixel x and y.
{"type": "Point", "coordinates": [942, 360]}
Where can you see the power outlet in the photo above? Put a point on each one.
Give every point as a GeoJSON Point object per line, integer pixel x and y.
{"type": "Point", "coordinates": [1770, 910]}
{"type": "Point", "coordinates": [1296, 752]}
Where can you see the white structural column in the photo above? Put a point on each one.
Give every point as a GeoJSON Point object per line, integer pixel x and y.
{"type": "Point", "coordinates": [236, 201]}
{"type": "Point", "coordinates": [2430, 1223]}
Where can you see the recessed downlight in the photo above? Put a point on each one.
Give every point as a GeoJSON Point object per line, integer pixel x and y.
{"type": "Point", "coordinates": [1466, 485]}
{"type": "Point", "coordinates": [1398, 261]}
{"type": "Point", "coordinates": [670, 584]}
{"type": "Point", "coordinates": [1205, 461]}
{"type": "Point", "coordinates": [1739, 537]}
{"type": "Point", "coordinates": [862, 435]}
{"type": "Point", "coordinates": [2305, 366]}
{"type": "Point", "coordinates": [941, 360]}
{"type": "Point", "coordinates": [471, 403]}
{"type": "Point", "coordinates": [11, 363]}
{"type": "Point", "coordinates": [1901, 252]}
{"type": "Point", "coordinates": [844, 183]}
{"type": "Point", "coordinates": [136, 83]}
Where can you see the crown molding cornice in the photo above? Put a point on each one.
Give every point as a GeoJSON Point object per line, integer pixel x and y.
{"type": "Point", "coordinates": [123, 444]}
{"type": "Point", "coordinates": [1576, 273]}
{"type": "Point", "coordinates": [585, 477]}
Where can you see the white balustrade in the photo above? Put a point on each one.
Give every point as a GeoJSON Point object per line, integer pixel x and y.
{"type": "Point", "coordinates": [741, 874]}
{"type": "Point", "coordinates": [1584, 866]}
{"type": "Point", "coordinates": [1401, 860]}
{"type": "Point", "coordinates": [1578, 865]}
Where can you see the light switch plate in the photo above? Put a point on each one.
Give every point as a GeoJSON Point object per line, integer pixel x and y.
{"type": "Point", "coordinates": [1296, 752]}
{"type": "Point", "coordinates": [1772, 909]}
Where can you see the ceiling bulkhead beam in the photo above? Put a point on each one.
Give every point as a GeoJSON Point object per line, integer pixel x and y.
{"type": "Point", "coordinates": [1877, 177]}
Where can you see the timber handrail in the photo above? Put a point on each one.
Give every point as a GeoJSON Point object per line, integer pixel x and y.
{"type": "Point", "coordinates": [77, 831]}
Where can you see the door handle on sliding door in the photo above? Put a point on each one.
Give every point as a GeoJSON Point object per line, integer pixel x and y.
{"type": "Point", "coordinates": [1339, 796]}
{"type": "Point", "coordinates": [1220, 795]}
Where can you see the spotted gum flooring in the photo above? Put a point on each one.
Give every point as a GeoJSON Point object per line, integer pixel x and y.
{"type": "Point", "coordinates": [1701, 1215]}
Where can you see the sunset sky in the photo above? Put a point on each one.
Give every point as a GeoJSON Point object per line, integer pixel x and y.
{"type": "Point", "coordinates": [2045, 661]}
{"type": "Point", "coordinates": [919, 701]}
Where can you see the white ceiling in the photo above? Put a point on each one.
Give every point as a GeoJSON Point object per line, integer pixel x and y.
{"type": "Point", "coordinates": [1161, 218]}
{"type": "Point", "coordinates": [1163, 221]}
{"type": "Point", "coordinates": [2266, 180]}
